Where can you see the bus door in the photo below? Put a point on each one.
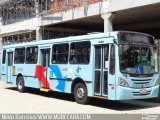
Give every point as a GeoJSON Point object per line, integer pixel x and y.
{"type": "Point", "coordinates": [9, 66]}
{"type": "Point", "coordinates": [101, 70]}
{"type": "Point", "coordinates": [104, 83]}
{"type": "Point", "coordinates": [44, 61]}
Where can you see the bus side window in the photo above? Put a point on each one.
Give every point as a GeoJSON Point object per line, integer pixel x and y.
{"type": "Point", "coordinates": [112, 60]}
{"type": "Point", "coordinates": [4, 57]}
{"type": "Point", "coordinates": [60, 53]}
{"type": "Point", "coordinates": [32, 55]}
{"type": "Point", "coordinates": [80, 52]}
{"type": "Point", "coordinates": [19, 56]}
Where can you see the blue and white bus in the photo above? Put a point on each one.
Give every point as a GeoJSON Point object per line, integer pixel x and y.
{"type": "Point", "coordinates": [116, 66]}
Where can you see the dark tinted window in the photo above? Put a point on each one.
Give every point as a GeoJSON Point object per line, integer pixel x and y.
{"type": "Point", "coordinates": [80, 52]}
{"type": "Point", "coordinates": [98, 52]}
{"type": "Point", "coordinates": [112, 60]}
{"type": "Point", "coordinates": [10, 58]}
{"type": "Point", "coordinates": [135, 38]}
{"type": "Point", "coordinates": [45, 57]}
{"type": "Point", "coordinates": [19, 56]}
{"type": "Point", "coordinates": [31, 55]}
{"type": "Point", "coordinates": [106, 55]}
{"type": "Point", "coordinates": [4, 57]}
{"type": "Point", "coordinates": [60, 54]}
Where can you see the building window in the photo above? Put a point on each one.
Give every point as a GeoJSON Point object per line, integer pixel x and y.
{"type": "Point", "coordinates": [80, 52]}
{"type": "Point", "coordinates": [4, 57]}
{"type": "Point", "coordinates": [19, 56]}
{"type": "Point", "coordinates": [32, 55]}
{"type": "Point", "coordinates": [60, 53]}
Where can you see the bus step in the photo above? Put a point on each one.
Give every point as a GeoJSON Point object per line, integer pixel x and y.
{"type": "Point", "coordinates": [10, 83]}
{"type": "Point", "coordinates": [101, 97]}
{"type": "Point", "coordinates": [45, 89]}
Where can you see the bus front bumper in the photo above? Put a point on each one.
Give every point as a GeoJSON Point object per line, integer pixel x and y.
{"type": "Point", "coordinates": [124, 93]}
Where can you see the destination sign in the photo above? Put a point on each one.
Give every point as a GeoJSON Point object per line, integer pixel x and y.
{"type": "Point", "coordinates": [135, 38]}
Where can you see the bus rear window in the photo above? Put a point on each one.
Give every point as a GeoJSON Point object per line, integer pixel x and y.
{"type": "Point", "coordinates": [19, 56]}
{"type": "Point", "coordinates": [4, 57]}
{"type": "Point", "coordinates": [80, 52]}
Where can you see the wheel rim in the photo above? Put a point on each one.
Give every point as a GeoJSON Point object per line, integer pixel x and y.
{"type": "Point", "coordinates": [80, 93]}
{"type": "Point", "coordinates": [20, 84]}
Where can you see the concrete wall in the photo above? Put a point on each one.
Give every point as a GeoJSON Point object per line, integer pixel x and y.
{"type": "Point", "coordinates": [116, 5]}
{"type": "Point", "coordinates": [29, 24]}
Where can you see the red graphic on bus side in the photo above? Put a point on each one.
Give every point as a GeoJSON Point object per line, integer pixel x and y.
{"type": "Point", "coordinates": [40, 74]}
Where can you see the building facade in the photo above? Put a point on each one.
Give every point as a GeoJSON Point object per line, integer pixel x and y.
{"type": "Point", "coordinates": [27, 20]}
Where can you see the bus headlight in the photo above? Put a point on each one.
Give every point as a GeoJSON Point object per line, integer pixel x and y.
{"type": "Point", "coordinates": [122, 82]}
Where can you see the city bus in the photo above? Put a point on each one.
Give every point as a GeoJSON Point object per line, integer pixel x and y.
{"type": "Point", "coordinates": [118, 65]}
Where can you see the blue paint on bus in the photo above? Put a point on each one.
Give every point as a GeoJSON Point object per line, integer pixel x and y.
{"type": "Point", "coordinates": [61, 80]}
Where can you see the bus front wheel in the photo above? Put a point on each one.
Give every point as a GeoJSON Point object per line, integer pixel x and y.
{"type": "Point", "coordinates": [20, 84]}
{"type": "Point", "coordinates": [80, 93]}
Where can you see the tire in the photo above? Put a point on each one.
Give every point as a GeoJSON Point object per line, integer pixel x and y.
{"type": "Point", "coordinates": [80, 93]}
{"type": "Point", "coordinates": [20, 84]}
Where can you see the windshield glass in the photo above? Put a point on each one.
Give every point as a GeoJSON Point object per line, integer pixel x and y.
{"type": "Point", "coordinates": [137, 59]}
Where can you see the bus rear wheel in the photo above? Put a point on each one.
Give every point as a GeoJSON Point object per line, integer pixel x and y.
{"type": "Point", "coordinates": [20, 84]}
{"type": "Point", "coordinates": [80, 93]}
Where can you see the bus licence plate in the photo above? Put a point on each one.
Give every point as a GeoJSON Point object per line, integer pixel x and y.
{"type": "Point", "coordinates": [142, 85]}
{"type": "Point", "coordinates": [142, 91]}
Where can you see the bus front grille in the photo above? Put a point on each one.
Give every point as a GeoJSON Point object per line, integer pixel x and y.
{"type": "Point", "coordinates": [141, 75]}
{"type": "Point", "coordinates": [137, 84]}
{"type": "Point", "coordinates": [138, 81]}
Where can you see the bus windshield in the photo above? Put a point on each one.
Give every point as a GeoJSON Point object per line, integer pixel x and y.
{"type": "Point", "coordinates": [136, 57]}
{"type": "Point", "coordinates": [132, 56]}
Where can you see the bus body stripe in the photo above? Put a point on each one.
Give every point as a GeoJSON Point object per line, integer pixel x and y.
{"type": "Point", "coordinates": [57, 72]}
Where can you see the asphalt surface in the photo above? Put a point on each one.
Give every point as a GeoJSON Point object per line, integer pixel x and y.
{"type": "Point", "coordinates": [35, 101]}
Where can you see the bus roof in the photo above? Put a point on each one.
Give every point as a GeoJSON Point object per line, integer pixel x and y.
{"type": "Point", "coordinates": [59, 40]}
{"type": "Point", "coordinates": [68, 39]}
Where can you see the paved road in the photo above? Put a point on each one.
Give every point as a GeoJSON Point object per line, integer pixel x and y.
{"type": "Point", "coordinates": [34, 101]}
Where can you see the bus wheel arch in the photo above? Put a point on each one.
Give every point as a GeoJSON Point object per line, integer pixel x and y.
{"type": "Point", "coordinates": [20, 83]}
{"type": "Point", "coordinates": [79, 89]}
{"type": "Point", "coordinates": [17, 77]}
